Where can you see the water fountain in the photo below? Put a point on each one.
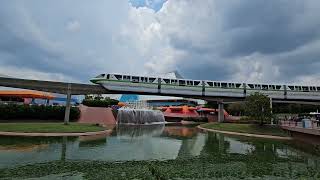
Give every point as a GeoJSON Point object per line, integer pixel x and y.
{"type": "Point", "coordinates": [139, 112]}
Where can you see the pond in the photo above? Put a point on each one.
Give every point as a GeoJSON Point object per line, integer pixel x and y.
{"type": "Point", "coordinates": [156, 152]}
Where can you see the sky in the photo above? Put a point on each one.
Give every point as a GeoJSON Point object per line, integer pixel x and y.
{"type": "Point", "coordinates": [274, 41]}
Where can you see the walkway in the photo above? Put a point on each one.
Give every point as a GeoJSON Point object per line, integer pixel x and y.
{"type": "Point", "coordinates": [246, 134]}
{"type": "Point", "coordinates": [297, 127]}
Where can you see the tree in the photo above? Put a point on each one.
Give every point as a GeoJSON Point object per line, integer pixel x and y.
{"type": "Point", "coordinates": [236, 108]}
{"type": "Point", "coordinates": [98, 97]}
{"type": "Point", "coordinates": [88, 97]}
{"type": "Point", "coordinates": [257, 106]}
{"type": "Point", "coordinates": [211, 104]}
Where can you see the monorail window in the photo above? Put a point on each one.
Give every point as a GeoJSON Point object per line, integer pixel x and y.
{"type": "Point", "coordinates": [100, 76]}
{"type": "Point", "coordinates": [144, 79]}
{"type": "Point", "coordinates": [167, 81]}
{"type": "Point", "coordinates": [318, 88]}
{"type": "Point", "coordinates": [257, 86]}
{"type": "Point", "coordinates": [216, 84]}
{"type": "Point", "coordinates": [126, 78]}
{"type": "Point", "coordinates": [312, 88]}
{"type": "Point", "coordinates": [119, 77]}
{"type": "Point", "coordinates": [196, 83]}
{"type": "Point", "coordinates": [210, 83]}
{"type": "Point", "coordinates": [224, 85]}
{"type": "Point", "coordinates": [278, 87]}
{"type": "Point", "coordinates": [231, 85]}
{"type": "Point", "coordinates": [305, 88]}
{"type": "Point", "coordinates": [265, 87]}
{"type": "Point", "coordinates": [271, 87]}
{"type": "Point", "coordinates": [298, 88]}
{"type": "Point", "coordinates": [135, 78]}
{"type": "Point", "coordinates": [238, 85]}
{"type": "Point", "coordinates": [173, 81]}
{"type": "Point", "coordinates": [151, 80]}
{"type": "Point", "coordinates": [182, 82]}
{"type": "Point", "coordinates": [251, 86]}
{"type": "Point", "coordinates": [108, 76]}
{"type": "Point", "coordinates": [190, 83]}
{"type": "Point", "coordinates": [291, 88]}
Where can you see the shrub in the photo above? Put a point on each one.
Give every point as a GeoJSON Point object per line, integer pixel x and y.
{"type": "Point", "coordinates": [99, 103]}
{"type": "Point", "coordinates": [34, 112]}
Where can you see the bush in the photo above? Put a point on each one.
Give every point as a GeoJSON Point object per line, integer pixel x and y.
{"type": "Point", "coordinates": [34, 112]}
{"type": "Point", "coordinates": [99, 103]}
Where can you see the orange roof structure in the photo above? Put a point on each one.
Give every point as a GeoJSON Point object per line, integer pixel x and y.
{"type": "Point", "coordinates": [26, 94]}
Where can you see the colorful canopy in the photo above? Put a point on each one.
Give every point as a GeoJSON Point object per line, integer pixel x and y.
{"type": "Point", "coordinates": [26, 94]}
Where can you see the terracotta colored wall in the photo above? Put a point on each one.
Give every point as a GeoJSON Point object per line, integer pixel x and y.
{"type": "Point", "coordinates": [96, 115]}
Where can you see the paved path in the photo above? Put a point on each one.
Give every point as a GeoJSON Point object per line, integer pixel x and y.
{"type": "Point", "coordinates": [53, 134]}
{"type": "Point", "coordinates": [96, 115]}
{"type": "Point", "coordinates": [315, 132]}
{"type": "Point", "coordinates": [246, 134]}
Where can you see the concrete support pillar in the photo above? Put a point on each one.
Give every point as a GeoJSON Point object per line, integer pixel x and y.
{"type": "Point", "coordinates": [47, 102]}
{"type": "Point", "coordinates": [220, 112]}
{"type": "Point", "coordinates": [271, 111]}
{"type": "Point", "coordinates": [68, 106]}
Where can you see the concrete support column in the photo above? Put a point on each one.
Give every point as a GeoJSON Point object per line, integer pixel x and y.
{"type": "Point", "coordinates": [271, 111]}
{"type": "Point", "coordinates": [68, 106]}
{"type": "Point", "coordinates": [220, 112]}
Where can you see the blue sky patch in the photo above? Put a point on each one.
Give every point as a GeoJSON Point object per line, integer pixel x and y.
{"type": "Point", "coordinates": [152, 4]}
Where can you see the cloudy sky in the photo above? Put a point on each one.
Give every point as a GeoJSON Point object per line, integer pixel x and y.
{"type": "Point", "coordinates": [237, 40]}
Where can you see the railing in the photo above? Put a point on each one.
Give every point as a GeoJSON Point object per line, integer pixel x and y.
{"type": "Point", "coordinates": [314, 124]}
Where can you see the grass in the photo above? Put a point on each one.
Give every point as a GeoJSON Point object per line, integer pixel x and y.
{"type": "Point", "coordinates": [49, 127]}
{"type": "Point", "coordinates": [247, 128]}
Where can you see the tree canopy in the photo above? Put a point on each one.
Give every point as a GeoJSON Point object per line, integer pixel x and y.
{"type": "Point", "coordinates": [257, 106]}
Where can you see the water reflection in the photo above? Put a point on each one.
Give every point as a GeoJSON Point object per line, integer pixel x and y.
{"type": "Point", "coordinates": [139, 131]}
{"type": "Point", "coordinates": [156, 142]}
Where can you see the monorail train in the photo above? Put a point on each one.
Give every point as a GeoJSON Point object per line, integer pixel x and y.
{"type": "Point", "coordinates": [120, 82]}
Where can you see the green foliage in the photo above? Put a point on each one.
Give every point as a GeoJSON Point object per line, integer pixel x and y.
{"type": "Point", "coordinates": [214, 166]}
{"type": "Point", "coordinates": [211, 104]}
{"type": "Point", "coordinates": [237, 109]}
{"type": "Point", "coordinates": [100, 103]}
{"type": "Point", "coordinates": [257, 106]}
{"type": "Point", "coordinates": [49, 127]}
{"type": "Point", "coordinates": [34, 112]}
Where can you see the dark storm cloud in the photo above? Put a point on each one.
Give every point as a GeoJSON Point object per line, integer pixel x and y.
{"type": "Point", "coordinates": [266, 26]}
{"type": "Point", "coordinates": [275, 29]}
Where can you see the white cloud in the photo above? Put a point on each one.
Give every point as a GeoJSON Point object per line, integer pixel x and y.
{"type": "Point", "coordinates": [224, 40]}
{"type": "Point", "coordinates": [73, 26]}
{"type": "Point", "coordinates": [26, 73]}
